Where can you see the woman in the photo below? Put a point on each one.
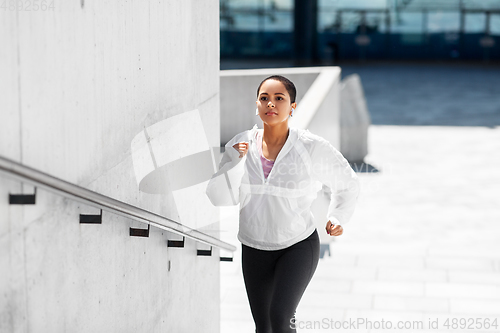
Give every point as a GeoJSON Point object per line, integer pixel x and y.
{"type": "Point", "coordinates": [274, 174]}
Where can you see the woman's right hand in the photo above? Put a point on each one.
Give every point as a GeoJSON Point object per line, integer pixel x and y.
{"type": "Point", "coordinates": [242, 148]}
{"type": "Point", "coordinates": [334, 230]}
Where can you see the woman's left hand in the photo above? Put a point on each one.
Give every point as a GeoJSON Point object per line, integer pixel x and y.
{"type": "Point", "coordinates": [334, 230]}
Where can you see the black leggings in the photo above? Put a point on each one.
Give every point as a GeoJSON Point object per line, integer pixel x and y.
{"type": "Point", "coordinates": [276, 280]}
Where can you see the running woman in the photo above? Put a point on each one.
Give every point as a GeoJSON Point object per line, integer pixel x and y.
{"type": "Point", "coordinates": [274, 174]}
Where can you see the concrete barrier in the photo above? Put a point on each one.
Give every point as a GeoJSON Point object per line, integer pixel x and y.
{"type": "Point", "coordinates": [80, 80]}
{"type": "Point", "coordinates": [354, 119]}
{"type": "Point", "coordinates": [318, 104]}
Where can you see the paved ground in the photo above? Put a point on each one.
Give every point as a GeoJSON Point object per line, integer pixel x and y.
{"type": "Point", "coordinates": [424, 242]}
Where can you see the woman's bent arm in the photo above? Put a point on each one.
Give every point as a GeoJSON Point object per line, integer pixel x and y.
{"type": "Point", "coordinates": [223, 189]}
{"type": "Point", "coordinates": [332, 169]}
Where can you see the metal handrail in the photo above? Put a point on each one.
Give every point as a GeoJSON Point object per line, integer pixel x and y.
{"type": "Point", "coordinates": [22, 172]}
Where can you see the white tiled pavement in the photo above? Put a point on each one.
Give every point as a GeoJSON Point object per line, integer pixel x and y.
{"type": "Point", "coordinates": [423, 243]}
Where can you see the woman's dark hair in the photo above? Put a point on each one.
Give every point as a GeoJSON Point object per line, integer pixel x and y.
{"type": "Point", "coordinates": [290, 87]}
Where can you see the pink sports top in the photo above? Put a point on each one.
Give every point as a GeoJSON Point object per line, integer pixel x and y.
{"type": "Point", "coordinates": [267, 165]}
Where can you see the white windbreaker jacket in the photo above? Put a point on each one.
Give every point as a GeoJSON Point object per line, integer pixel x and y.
{"type": "Point", "coordinates": [275, 213]}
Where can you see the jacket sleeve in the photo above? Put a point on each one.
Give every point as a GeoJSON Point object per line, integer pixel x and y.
{"type": "Point", "coordinates": [331, 168]}
{"type": "Point", "coordinates": [223, 189]}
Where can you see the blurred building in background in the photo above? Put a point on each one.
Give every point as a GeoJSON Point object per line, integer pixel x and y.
{"type": "Point", "coordinates": [329, 31]}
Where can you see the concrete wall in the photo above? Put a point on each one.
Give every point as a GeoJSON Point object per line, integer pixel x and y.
{"type": "Point", "coordinates": [354, 120]}
{"type": "Point", "coordinates": [239, 93]}
{"type": "Point", "coordinates": [78, 83]}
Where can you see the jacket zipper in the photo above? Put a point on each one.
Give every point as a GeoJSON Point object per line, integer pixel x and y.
{"type": "Point", "coordinates": [255, 151]}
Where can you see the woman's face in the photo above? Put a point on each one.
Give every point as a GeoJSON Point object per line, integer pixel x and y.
{"type": "Point", "coordinates": [273, 102]}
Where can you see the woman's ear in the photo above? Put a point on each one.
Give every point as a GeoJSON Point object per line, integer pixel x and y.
{"type": "Point", "coordinates": [294, 105]}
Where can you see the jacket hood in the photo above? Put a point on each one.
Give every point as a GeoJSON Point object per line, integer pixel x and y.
{"type": "Point", "coordinates": [295, 134]}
